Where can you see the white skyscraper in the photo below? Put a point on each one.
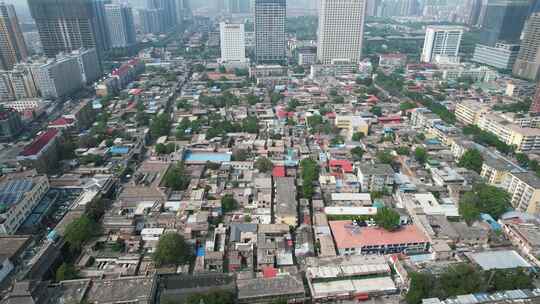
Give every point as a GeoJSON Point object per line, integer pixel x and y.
{"type": "Point", "coordinates": [233, 45]}
{"type": "Point", "coordinates": [121, 25]}
{"type": "Point", "coordinates": [341, 30]}
{"type": "Point", "coordinates": [441, 43]}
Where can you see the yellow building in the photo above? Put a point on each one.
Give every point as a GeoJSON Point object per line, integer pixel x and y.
{"type": "Point", "coordinates": [352, 124]}
{"type": "Point", "coordinates": [469, 112]}
{"type": "Point", "coordinates": [524, 189]}
{"type": "Point", "coordinates": [524, 139]}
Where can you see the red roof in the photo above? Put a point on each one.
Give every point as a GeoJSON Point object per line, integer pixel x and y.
{"type": "Point", "coordinates": [40, 142]}
{"type": "Point", "coordinates": [345, 165]}
{"type": "Point", "coordinates": [269, 272]}
{"type": "Point", "coordinates": [373, 236]}
{"type": "Point", "coordinates": [62, 121]}
{"type": "Point", "coordinates": [373, 99]}
{"type": "Point", "coordinates": [395, 118]}
{"type": "Point", "coordinates": [135, 91]}
{"type": "Point", "coordinates": [279, 171]}
{"type": "Point", "coordinates": [330, 115]}
{"type": "Point", "coordinates": [283, 114]}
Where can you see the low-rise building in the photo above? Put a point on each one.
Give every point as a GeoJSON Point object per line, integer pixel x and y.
{"type": "Point", "coordinates": [265, 290]}
{"type": "Point", "coordinates": [42, 153]}
{"type": "Point", "coordinates": [349, 278]}
{"type": "Point", "coordinates": [285, 207]}
{"type": "Point", "coordinates": [351, 239]}
{"type": "Point", "coordinates": [525, 235]}
{"type": "Point", "coordinates": [375, 177]}
{"type": "Point", "coordinates": [352, 124]}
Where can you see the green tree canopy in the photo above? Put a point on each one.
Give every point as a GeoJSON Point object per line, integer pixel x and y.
{"type": "Point", "coordinates": [161, 125]}
{"type": "Point", "coordinates": [420, 154]}
{"type": "Point", "coordinates": [228, 203]}
{"type": "Point", "coordinates": [357, 153]}
{"type": "Point", "coordinates": [387, 219]}
{"type": "Point", "coordinates": [377, 111]}
{"type": "Point", "coordinates": [66, 272]}
{"type": "Point", "coordinates": [483, 198]}
{"type": "Point", "coordinates": [172, 249]}
{"type": "Point", "coordinates": [263, 164]}
{"type": "Point", "coordinates": [310, 173]}
{"type": "Point", "coordinates": [176, 177]}
{"type": "Point", "coordinates": [472, 160]}
{"type": "Point", "coordinates": [357, 136]}
{"type": "Point", "coordinates": [385, 157]}
{"type": "Point", "coordinates": [79, 231]}
{"type": "Point", "coordinates": [403, 150]}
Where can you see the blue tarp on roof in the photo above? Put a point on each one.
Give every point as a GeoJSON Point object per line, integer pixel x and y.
{"type": "Point", "coordinates": [119, 150]}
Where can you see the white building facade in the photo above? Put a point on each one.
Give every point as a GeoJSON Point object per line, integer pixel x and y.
{"type": "Point", "coordinates": [441, 43]}
{"type": "Point", "coordinates": [341, 30]}
{"type": "Point", "coordinates": [233, 42]}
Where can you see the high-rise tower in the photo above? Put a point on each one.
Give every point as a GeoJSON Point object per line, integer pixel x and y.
{"type": "Point", "coordinates": [120, 25]}
{"type": "Point", "coordinates": [12, 46]}
{"type": "Point", "coordinates": [270, 37]}
{"type": "Point", "coordinates": [341, 30]}
{"type": "Point", "coordinates": [66, 25]}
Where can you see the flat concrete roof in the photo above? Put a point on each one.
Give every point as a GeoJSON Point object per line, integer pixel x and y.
{"type": "Point", "coordinates": [503, 259]}
{"type": "Point", "coordinates": [347, 287]}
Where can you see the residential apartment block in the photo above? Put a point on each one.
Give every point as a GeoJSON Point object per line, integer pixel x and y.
{"type": "Point", "coordinates": [18, 198]}
{"type": "Point", "coordinates": [524, 189]}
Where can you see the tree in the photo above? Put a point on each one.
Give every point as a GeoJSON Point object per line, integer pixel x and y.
{"type": "Point", "coordinates": [298, 70]}
{"type": "Point", "coordinates": [403, 150]}
{"type": "Point", "coordinates": [291, 106]}
{"type": "Point", "coordinates": [172, 249]}
{"type": "Point", "coordinates": [404, 106]}
{"type": "Point", "coordinates": [421, 287]}
{"type": "Point", "coordinates": [66, 272]}
{"type": "Point", "coordinates": [420, 154]}
{"type": "Point", "coordinates": [252, 99]}
{"type": "Point", "coordinates": [310, 173]}
{"type": "Point", "coordinates": [263, 164]}
{"type": "Point", "coordinates": [315, 121]}
{"type": "Point", "coordinates": [338, 140]}
{"type": "Point", "coordinates": [387, 219]}
{"type": "Point", "coordinates": [357, 136]}
{"type": "Point", "coordinates": [275, 98]}
{"type": "Point", "coordinates": [228, 203]}
{"type": "Point", "coordinates": [472, 160]}
{"type": "Point", "coordinates": [377, 111]}
{"type": "Point", "coordinates": [176, 177]}
{"type": "Point", "coordinates": [161, 125]}
{"type": "Point", "coordinates": [240, 155]}
{"type": "Point", "coordinates": [95, 209]}
{"type": "Point", "coordinates": [483, 198]}
{"type": "Point", "coordinates": [385, 157]}
{"type": "Point", "coordinates": [79, 231]}
{"type": "Point", "coordinates": [250, 125]}
{"type": "Point", "coordinates": [357, 153]}
{"type": "Point", "coordinates": [467, 208]}
{"type": "Point", "coordinates": [165, 149]}
{"type": "Point", "coordinates": [522, 159]}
